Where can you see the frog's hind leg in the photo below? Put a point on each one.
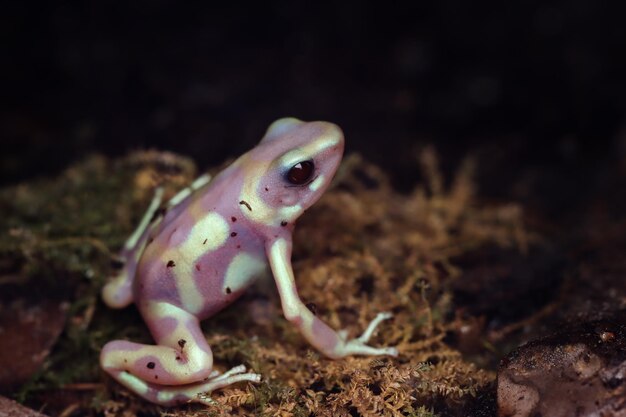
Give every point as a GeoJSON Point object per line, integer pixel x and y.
{"type": "Point", "coordinates": [118, 292]}
{"type": "Point", "coordinates": [178, 369]}
{"type": "Point", "coordinates": [177, 395]}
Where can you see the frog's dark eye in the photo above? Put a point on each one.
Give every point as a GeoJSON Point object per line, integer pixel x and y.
{"type": "Point", "coordinates": [301, 172]}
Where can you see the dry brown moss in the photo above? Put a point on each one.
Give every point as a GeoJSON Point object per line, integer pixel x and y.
{"type": "Point", "coordinates": [362, 249]}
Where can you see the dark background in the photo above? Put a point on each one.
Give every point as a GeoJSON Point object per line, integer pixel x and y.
{"type": "Point", "coordinates": [535, 90]}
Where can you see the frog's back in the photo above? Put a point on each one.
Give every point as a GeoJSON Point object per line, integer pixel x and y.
{"type": "Point", "coordinates": [203, 254]}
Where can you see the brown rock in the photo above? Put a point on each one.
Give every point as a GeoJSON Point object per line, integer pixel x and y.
{"type": "Point", "coordinates": [9, 408]}
{"type": "Point", "coordinates": [28, 330]}
{"type": "Point", "coordinates": [579, 372]}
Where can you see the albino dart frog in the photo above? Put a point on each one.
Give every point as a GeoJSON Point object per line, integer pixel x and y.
{"type": "Point", "coordinates": [192, 258]}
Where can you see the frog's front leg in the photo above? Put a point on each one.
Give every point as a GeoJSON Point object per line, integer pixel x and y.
{"type": "Point", "coordinates": [178, 369]}
{"type": "Point", "coordinates": [331, 343]}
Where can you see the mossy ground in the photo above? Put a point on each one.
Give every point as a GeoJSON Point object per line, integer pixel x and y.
{"type": "Point", "coordinates": [362, 249]}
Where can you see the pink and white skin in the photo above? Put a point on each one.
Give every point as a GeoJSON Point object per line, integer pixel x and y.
{"type": "Point", "coordinates": [197, 254]}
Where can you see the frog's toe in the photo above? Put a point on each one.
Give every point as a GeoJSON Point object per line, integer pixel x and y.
{"type": "Point", "coordinates": [201, 393]}
{"type": "Point", "coordinates": [234, 375]}
{"type": "Point", "coordinates": [380, 317]}
{"type": "Point", "coordinates": [239, 369]}
{"type": "Point", "coordinates": [356, 347]}
{"type": "Point", "coordinates": [390, 351]}
{"type": "Point", "coordinates": [203, 398]}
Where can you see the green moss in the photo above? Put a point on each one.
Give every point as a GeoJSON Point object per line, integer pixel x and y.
{"type": "Point", "coordinates": [59, 237]}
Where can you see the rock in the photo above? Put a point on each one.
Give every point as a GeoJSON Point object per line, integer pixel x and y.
{"type": "Point", "coordinates": [29, 327]}
{"type": "Point", "coordinates": [9, 408]}
{"type": "Point", "coordinates": [578, 372]}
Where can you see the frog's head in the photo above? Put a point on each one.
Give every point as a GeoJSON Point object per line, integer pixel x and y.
{"type": "Point", "coordinates": [296, 161]}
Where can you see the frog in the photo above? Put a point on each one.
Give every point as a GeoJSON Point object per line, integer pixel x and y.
{"type": "Point", "coordinates": [195, 254]}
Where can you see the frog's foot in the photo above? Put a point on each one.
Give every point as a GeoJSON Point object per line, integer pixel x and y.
{"type": "Point", "coordinates": [199, 393]}
{"type": "Point", "coordinates": [216, 376]}
{"type": "Point", "coordinates": [168, 395]}
{"type": "Point", "coordinates": [359, 345]}
{"type": "Point", "coordinates": [234, 375]}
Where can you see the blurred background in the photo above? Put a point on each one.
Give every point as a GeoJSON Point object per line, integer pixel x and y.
{"type": "Point", "coordinates": [535, 90]}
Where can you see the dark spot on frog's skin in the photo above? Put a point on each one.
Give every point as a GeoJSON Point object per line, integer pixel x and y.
{"type": "Point", "coordinates": [283, 223]}
{"type": "Point", "coordinates": [171, 264]}
{"type": "Point", "coordinates": [233, 234]}
{"type": "Point", "coordinates": [228, 290]}
{"type": "Point", "coordinates": [238, 246]}
{"type": "Point", "coordinates": [267, 189]}
{"type": "Point", "coordinates": [150, 240]}
{"type": "Point", "coordinates": [182, 343]}
{"type": "Point", "coordinates": [125, 360]}
{"type": "Point", "coordinates": [177, 357]}
{"type": "Point", "coordinates": [205, 240]}
{"type": "Point", "coordinates": [245, 203]}
{"type": "Point", "coordinates": [156, 377]}
{"type": "Point", "coordinates": [233, 219]}
{"type": "Point", "coordinates": [197, 267]}
{"type": "Point", "coordinates": [312, 308]}
{"type": "Point", "coordinates": [150, 365]}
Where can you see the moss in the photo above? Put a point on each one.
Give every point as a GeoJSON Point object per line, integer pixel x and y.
{"type": "Point", "coordinates": [55, 242]}
{"type": "Point", "coordinates": [362, 249]}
